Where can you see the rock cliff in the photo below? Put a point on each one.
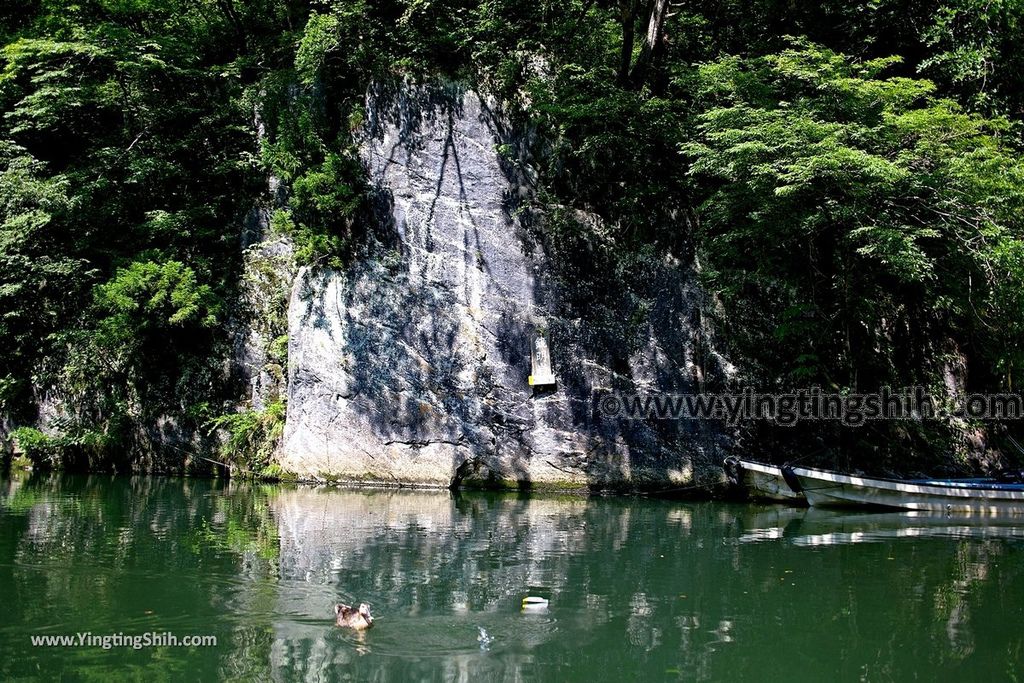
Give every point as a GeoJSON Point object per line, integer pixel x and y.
{"type": "Point", "coordinates": [410, 366]}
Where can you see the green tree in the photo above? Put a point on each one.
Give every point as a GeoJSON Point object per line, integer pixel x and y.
{"type": "Point", "coordinates": [857, 228]}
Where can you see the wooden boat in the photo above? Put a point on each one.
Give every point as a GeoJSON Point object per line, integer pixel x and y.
{"type": "Point", "coordinates": [972, 496]}
{"type": "Point", "coordinates": [760, 480]}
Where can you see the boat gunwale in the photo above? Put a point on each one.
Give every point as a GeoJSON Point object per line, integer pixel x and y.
{"type": "Point", "coordinates": [996, 491]}
{"type": "Point", "coordinates": [761, 467]}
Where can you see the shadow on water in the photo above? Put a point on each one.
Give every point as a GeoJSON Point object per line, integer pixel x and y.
{"type": "Point", "coordinates": [637, 588]}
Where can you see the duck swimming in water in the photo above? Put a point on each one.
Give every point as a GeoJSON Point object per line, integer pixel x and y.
{"type": "Point", "coordinates": [359, 619]}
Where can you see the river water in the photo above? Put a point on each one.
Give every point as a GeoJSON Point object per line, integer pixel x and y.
{"type": "Point", "coordinates": [636, 588]}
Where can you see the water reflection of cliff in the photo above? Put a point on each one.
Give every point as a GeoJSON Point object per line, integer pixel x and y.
{"type": "Point", "coordinates": [435, 568]}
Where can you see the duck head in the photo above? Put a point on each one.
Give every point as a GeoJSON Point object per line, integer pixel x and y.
{"type": "Point", "coordinates": [359, 618]}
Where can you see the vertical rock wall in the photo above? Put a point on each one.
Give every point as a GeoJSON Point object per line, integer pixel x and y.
{"type": "Point", "coordinates": [410, 367]}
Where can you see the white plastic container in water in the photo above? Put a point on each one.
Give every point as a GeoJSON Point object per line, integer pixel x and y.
{"type": "Point", "coordinates": [534, 604]}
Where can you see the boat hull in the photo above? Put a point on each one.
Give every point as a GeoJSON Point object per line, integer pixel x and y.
{"type": "Point", "coordinates": [764, 482]}
{"type": "Point", "coordinates": [832, 489]}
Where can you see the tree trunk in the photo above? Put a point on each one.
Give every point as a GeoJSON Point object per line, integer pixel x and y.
{"type": "Point", "coordinates": [627, 13]}
{"type": "Point", "coordinates": [652, 44]}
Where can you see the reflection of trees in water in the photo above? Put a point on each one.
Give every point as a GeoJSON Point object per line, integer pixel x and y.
{"type": "Point", "coordinates": [888, 599]}
{"type": "Point", "coordinates": [136, 554]}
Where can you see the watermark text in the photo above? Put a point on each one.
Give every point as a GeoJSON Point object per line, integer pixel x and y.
{"type": "Point", "coordinates": [786, 409]}
{"type": "Point", "coordinates": [133, 641]}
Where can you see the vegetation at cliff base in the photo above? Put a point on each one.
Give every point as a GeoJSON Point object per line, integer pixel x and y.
{"type": "Point", "coordinates": [847, 175]}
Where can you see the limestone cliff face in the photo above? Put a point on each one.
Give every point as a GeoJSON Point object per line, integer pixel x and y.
{"type": "Point", "coordinates": [410, 367]}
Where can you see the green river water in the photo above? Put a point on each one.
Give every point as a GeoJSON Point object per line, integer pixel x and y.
{"type": "Point", "coordinates": [638, 589]}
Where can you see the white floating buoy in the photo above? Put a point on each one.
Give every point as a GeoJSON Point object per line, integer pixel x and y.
{"type": "Point", "coordinates": [534, 604]}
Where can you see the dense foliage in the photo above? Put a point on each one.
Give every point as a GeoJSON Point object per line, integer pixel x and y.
{"type": "Point", "coordinates": [847, 174]}
{"type": "Point", "coordinates": [858, 213]}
